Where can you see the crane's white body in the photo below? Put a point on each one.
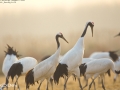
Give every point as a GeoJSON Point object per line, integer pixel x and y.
{"type": "Point", "coordinates": [98, 55]}
{"type": "Point", "coordinates": [46, 68]}
{"type": "Point", "coordinates": [21, 67]}
{"type": "Point", "coordinates": [98, 67]}
{"type": "Point", "coordinates": [73, 58]}
{"type": "Point", "coordinates": [8, 62]}
{"type": "Point", "coordinates": [28, 63]}
{"type": "Point", "coordinates": [86, 60]}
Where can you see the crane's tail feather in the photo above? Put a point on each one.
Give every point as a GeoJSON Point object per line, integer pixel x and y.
{"type": "Point", "coordinates": [29, 78]}
{"type": "Point", "coordinates": [108, 72]}
{"type": "Point", "coordinates": [61, 70]}
{"type": "Point", "coordinates": [117, 72]}
{"type": "Point", "coordinates": [113, 55]}
{"type": "Point", "coordinates": [15, 69]}
{"type": "Point", "coordinates": [82, 68]}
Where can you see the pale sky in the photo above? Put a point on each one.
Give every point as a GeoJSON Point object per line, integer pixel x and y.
{"type": "Point", "coordinates": [27, 22]}
{"type": "Point", "coordinates": [49, 4]}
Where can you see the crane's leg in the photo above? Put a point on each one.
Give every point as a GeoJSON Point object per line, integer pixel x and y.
{"type": "Point", "coordinates": [80, 83]}
{"type": "Point", "coordinates": [18, 85]}
{"type": "Point", "coordinates": [99, 80]}
{"type": "Point", "coordinates": [94, 85]}
{"type": "Point", "coordinates": [66, 79]}
{"type": "Point", "coordinates": [103, 78]}
{"type": "Point", "coordinates": [48, 80]}
{"type": "Point", "coordinates": [116, 75]}
{"type": "Point", "coordinates": [51, 81]}
{"type": "Point", "coordinates": [6, 84]}
{"type": "Point", "coordinates": [95, 76]}
{"type": "Point", "coordinates": [74, 77]}
{"type": "Point", "coordinates": [86, 83]}
{"type": "Point", "coordinates": [91, 84]}
{"type": "Point", "coordinates": [40, 84]}
{"type": "Point", "coordinates": [16, 82]}
{"type": "Point", "coordinates": [84, 78]}
{"type": "Point", "coordinates": [103, 85]}
{"type": "Point", "coordinates": [87, 76]}
{"type": "Point", "coordinates": [27, 87]}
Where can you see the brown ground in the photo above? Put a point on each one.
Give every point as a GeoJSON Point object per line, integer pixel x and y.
{"type": "Point", "coordinates": [71, 85]}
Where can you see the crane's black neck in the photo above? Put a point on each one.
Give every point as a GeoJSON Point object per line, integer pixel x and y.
{"type": "Point", "coordinates": [57, 40]}
{"type": "Point", "coordinates": [84, 32]}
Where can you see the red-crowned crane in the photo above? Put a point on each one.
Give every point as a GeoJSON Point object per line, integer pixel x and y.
{"type": "Point", "coordinates": [46, 68]}
{"type": "Point", "coordinates": [71, 61]}
{"type": "Point", "coordinates": [21, 67]}
{"type": "Point", "coordinates": [45, 57]}
{"type": "Point", "coordinates": [10, 58]}
{"type": "Point", "coordinates": [111, 54]}
{"type": "Point", "coordinates": [95, 68]}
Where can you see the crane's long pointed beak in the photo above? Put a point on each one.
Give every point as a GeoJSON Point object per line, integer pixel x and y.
{"type": "Point", "coordinates": [92, 27]}
{"type": "Point", "coordinates": [92, 31]}
{"type": "Point", "coordinates": [64, 39]}
{"type": "Point", "coordinates": [116, 35]}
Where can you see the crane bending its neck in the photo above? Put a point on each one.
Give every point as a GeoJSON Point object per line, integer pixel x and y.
{"type": "Point", "coordinates": [88, 24]}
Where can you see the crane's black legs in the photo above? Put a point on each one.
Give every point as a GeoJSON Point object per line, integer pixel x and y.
{"type": "Point", "coordinates": [48, 80]}
{"type": "Point", "coordinates": [86, 83]}
{"type": "Point", "coordinates": [51, 81]}
{"type": "Point", "coordinates": [66, 79]}
{"type": "Point", "coordinates": [103, 84]}
{"type": "Point", "coordinates": [40, 84]}
{"type": "Point", "coordinates": [91, 84]}
{"type": "Point", "coordinates": [99, 80]}
{"type": "Point", "coordinates": [16, 83]}
{"type": "Point", "coordinates": [80, 84]}
{"type": "Point", "coordinates": [6, 84]}
{"type": "Point", "coordinates": [27, 87]}
{"type": "Point", "coordinates": [115, 77]}
{"type": "Point", "coordinates": [94, 86]}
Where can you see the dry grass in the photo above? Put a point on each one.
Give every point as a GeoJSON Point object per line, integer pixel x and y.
{"type": "Point", "coordinates": [71, 85]}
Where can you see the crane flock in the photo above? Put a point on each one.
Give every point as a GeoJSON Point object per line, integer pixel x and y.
{"type": "Point", "coordinates": [54, 66]}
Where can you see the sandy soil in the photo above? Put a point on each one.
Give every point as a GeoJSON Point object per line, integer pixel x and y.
{"type": "Point", "coordinates": [71, 85]}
